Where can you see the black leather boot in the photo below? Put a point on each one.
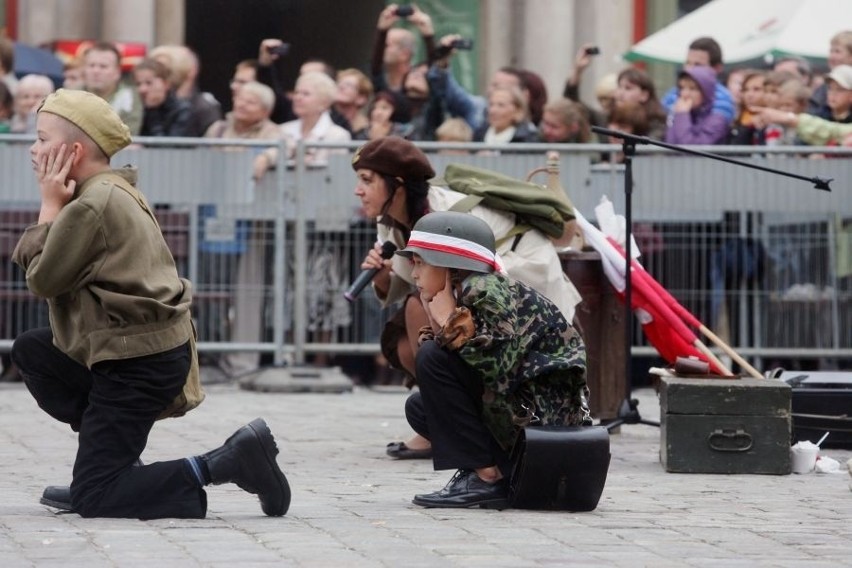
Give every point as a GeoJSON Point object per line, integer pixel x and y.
{"type": "Point", "coordinates": [247, 458]}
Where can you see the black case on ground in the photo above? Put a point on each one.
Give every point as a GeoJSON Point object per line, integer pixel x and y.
{"type": "Point", "coordinates": [560, 467]}
{"type": "Point", "coordinates": [822, 402]}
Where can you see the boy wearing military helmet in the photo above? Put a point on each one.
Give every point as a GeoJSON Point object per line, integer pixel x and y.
{"type": "Point", "coordinates": [495, 356]}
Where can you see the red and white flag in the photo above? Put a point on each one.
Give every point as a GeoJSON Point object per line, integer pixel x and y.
{"type": "Point", "coordinates": [659, 313]}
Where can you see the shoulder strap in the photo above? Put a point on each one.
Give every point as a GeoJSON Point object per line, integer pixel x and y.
{"type": "Point", "coordinates": [515, 232]}
{"type": "Point", "coordinates": [468, 202]}
{"type": "Point", "coordinates": [465, 204]}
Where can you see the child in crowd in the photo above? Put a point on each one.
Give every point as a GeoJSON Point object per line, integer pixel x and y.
{"type": "Point", "coordinates": [793, 97]}
{"type": "Point", "coordinates": [495, 356]}
{"type": "Point", "coordinates": [839, 93]}
{"type": "Point", "coordinates": [773, 82]}
{"type": "Point", "coordinates": [692, 119]}
{"type": "Point", "coordinates": [454, 130]}
{"type": "Point", "coordinates": [744, 131]}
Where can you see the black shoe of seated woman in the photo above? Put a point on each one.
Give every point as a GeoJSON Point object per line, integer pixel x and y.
{"type": "Point", "coordinates": [467, 490]}
{"type": "Point", "coordinates": [401, 451]}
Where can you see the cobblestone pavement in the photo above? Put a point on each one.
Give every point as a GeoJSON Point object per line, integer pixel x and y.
{"type": "Point", "coordinates": [352, 505]}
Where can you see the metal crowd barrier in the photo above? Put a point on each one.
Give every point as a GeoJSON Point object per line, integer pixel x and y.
{"type": "Point", "coordinates": [764, 260]}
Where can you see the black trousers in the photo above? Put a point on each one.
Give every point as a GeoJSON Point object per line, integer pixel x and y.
{"type": "Point", "coordinates": [448, 411]}
{"type": "Point", "coordinates": [113, 406]}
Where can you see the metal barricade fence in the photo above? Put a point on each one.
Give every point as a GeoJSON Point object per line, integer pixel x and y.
{"type": "Point", "coordinates": [764, 260]}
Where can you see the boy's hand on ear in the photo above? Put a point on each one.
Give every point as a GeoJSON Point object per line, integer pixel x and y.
{"type": "Point", "coordinates": [56, 189]}
{"type": "Point", "coordinates": [442, 305]}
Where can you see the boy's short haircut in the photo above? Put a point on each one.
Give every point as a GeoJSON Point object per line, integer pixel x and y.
{"type": "Point", "coordinates": [710, 46]}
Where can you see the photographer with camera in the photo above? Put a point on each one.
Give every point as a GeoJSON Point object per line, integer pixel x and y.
{"type": "Point", "coordinates": [604, 91]}
{"type": "Point", "coordinates": [270, 51]}
{"type": "Point", "coordinates": [455, 101]}
{"type": "Point", "coordinates": [393, 50]}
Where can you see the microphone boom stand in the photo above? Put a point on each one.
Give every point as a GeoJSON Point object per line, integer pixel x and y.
{"type": "Point", "coordinates": [628, 411]}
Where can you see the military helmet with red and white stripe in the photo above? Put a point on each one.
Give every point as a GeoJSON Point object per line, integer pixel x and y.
{"type": "Point", "coordinates": [454, 240]}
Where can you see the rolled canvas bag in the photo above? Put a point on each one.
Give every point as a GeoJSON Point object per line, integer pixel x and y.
{"type": "Point", "coordinates": [559, 467]}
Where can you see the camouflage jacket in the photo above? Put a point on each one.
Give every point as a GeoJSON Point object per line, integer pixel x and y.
{"type": "Point", "coordinates": [531, 361]}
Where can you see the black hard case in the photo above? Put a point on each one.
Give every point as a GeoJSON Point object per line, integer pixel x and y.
{"type": "Point", "coordinates": [822, 402]}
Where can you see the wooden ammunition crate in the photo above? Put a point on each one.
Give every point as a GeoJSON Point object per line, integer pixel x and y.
{"type": "Point", "coordinates": [725, 425]}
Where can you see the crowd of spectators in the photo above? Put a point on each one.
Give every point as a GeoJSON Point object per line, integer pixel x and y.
{"type": "Point", "coordinates": [788, 103]}
{"type": "Point", "coordinates": [422, 100]}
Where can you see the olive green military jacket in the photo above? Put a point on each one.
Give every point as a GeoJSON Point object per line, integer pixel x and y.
{"type": "Point", "coordinates": [108, 275]}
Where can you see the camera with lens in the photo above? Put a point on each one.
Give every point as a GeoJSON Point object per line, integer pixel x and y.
{"type": "Point", "coordinates": [461, 43]}
{"type": "Point", "coordinates": [404, 10]}
{"type": "Point", "coordinates": [282, 49]}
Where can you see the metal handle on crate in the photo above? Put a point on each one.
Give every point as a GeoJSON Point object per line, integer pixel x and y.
{"type": "Point", "coordinates": [737, 440]}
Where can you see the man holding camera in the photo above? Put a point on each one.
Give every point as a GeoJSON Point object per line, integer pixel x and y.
{"type": "Point", "coordinates": [393, 50]}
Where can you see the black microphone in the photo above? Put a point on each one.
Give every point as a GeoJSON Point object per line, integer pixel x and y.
{"type": "Point", "coordinates": [367, 275]}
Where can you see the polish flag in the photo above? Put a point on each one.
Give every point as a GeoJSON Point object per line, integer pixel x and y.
{"type": "Point", "coordinates": [662, 323]}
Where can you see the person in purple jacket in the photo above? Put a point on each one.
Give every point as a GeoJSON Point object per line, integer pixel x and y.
{"type": "Point", "coordinates": [692, 119]}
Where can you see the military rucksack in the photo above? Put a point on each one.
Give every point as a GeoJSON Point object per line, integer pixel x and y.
{"type": "Point", "coordinates": [534, 206]}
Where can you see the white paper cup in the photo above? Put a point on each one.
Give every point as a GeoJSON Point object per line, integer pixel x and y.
{"type": "Point", "coordinates": [803, 458]}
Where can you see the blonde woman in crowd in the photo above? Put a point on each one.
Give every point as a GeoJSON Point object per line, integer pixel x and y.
{"type": "Point", "coordinates": [314, 94]}
{"type": "Point", "coordinates": [506, 122]}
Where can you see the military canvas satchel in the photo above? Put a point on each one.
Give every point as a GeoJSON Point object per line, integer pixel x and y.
{"type": "Point", "coordinates": [534, 205]}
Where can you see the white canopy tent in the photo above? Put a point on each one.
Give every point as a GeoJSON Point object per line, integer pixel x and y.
{"type": "Point", "coordinates": [749, 30]}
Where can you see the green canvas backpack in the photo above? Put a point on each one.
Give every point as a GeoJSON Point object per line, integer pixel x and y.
{"type": "Point", "coordinates": [534, 206]}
